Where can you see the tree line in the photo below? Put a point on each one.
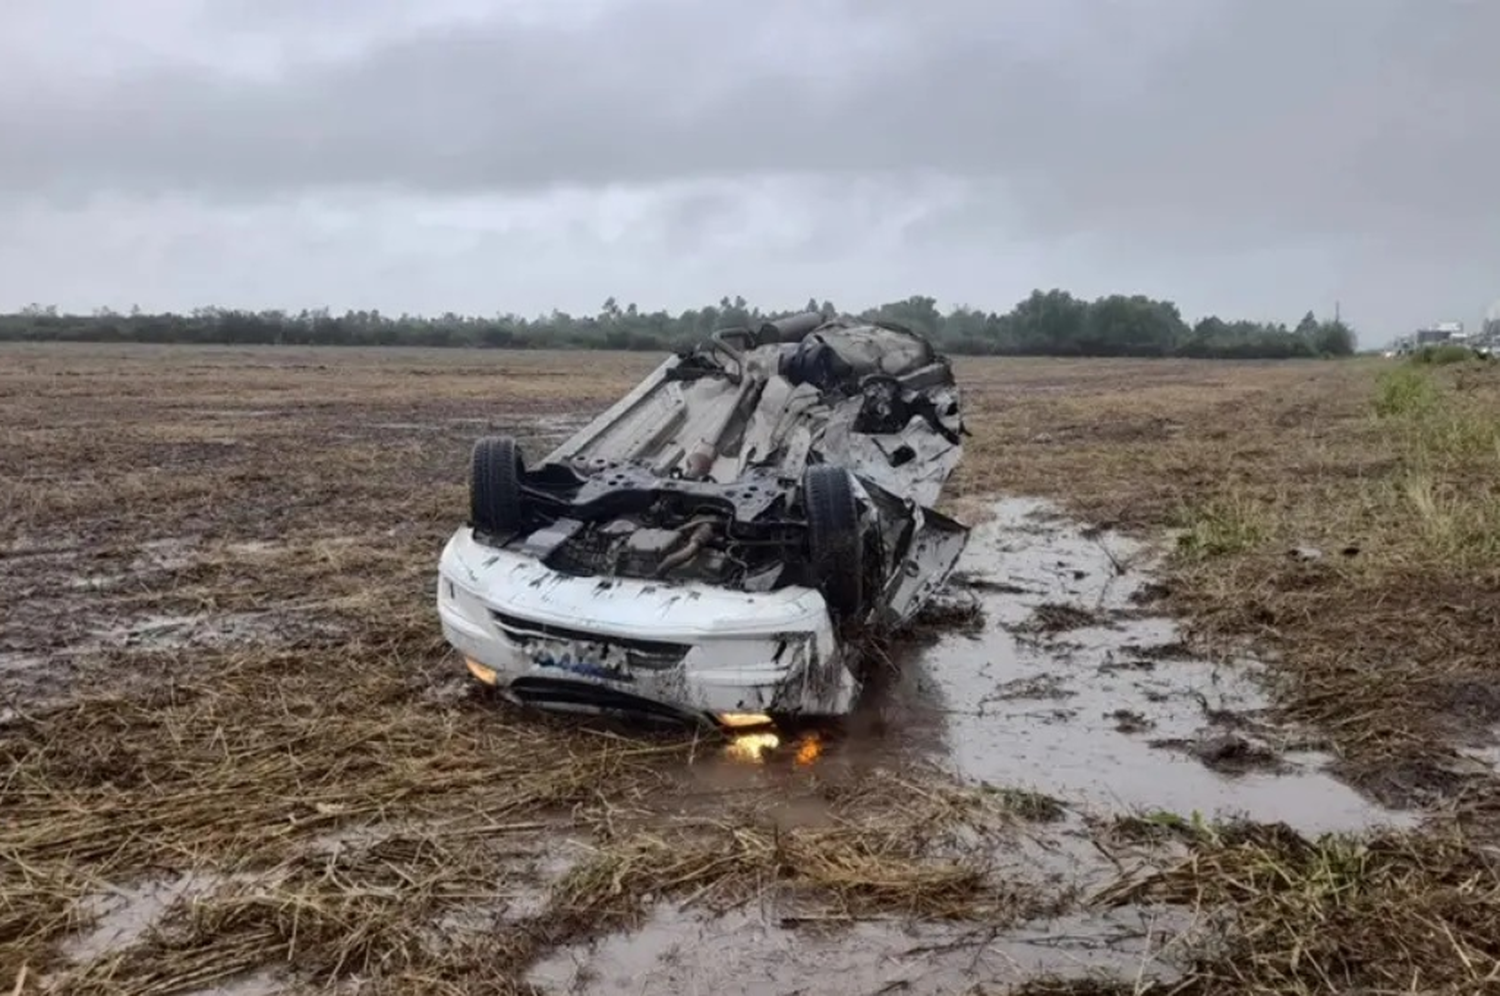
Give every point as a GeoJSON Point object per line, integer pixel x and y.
{"type": "Point", "coordinates": [1047, 323]}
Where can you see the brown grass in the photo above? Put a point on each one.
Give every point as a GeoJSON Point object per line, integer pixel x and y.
{"type": "Point", "coordinates": [1399, 912]}
{"type": "Point", "coordinates": [302, 495]}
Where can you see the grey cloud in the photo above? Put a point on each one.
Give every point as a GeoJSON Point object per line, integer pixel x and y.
{"type": "Point", "coordinates": [773, 240]}
{"type": "Point", "coordinates": [1369, 115]}
{"type": "Point", "coordinates": [657, 91]}
{"type": "Point", "coordinates": [1241, 155]}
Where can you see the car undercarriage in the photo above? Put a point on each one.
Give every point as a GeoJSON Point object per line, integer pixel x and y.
{"type": "Point", "coordinates": [799, 460]}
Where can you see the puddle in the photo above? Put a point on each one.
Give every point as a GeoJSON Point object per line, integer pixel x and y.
{"type": "Point", "coordinates": [231, 414]}
{"type": "Point", "coordinates": [163, 555]}
{"type": "Point", "coordinates": [256, 548]}
{"type": "Point", "coordinates": [152, 559]}
{"type": "Point", "coordinates": [12, 663]}
{"type": "Point", "coordinates": [530, 866]}
{"type": "Point", "coordinates": [1070, 691]}
{"type": "Point", "coordinates": [168, 632]}
{"type": "Point", "coordinates": [517, 898]}
{"type": "Point", "coordinates": [267, 983]}
{"type": "Point", "coordinates": [565, 422]}
{"type": "Point", "coordinates": [537, 434]}
{"type": "Point", "coordinates": [751, 952]}
{"type": "Point", "coordinates": [1489, 754]}
{"type": "Point", "coordinates": [545, 433]}
{"type": "Point", "coordinates": [122, 915]}
{"type": "Point", "coordinates": [1065, 687]}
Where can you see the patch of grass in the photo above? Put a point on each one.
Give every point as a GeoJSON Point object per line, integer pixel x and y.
{"type": "Point", "coordinates": [1158, 825]}
{"type": "Point", "coordinates": [1405, 392]}
{"type": "Point", "coordinates": [1457, 528]}
{"type": "Point", "coordinates": [368, 908]}
{"type": "Point", "coordinates": [1449, 451]}
{"type": "Point", "coordinates": [888, 862]}
{"type": "Point", "coordinates": [1037, 807]}
{"type": "Point", "coordinates": [1437, 424]}
{"type": "Point", "coordinates": [1455, 435]}
{"type": "Point", "coordinates": [1396, 912]}
{"type": "Point", "coordinates": [1446, 354]}
{"type": "Point", "coordinates": [1223, 526]}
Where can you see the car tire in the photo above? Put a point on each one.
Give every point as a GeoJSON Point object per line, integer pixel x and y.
{"type": "Point", "coordinates": [834, 546]}
{"type": "Point", "coordinates": [495, 471]}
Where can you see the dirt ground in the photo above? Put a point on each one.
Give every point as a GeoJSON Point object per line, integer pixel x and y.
{"type": "Point", "coordinates": [1209, 708]}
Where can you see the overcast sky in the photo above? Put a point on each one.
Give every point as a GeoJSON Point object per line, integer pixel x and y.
{"type": "Point", "coordinates": [1249, 158]}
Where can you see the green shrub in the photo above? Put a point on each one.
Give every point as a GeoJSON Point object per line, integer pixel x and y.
{"type": "Point", "coordinates": [1405, 392]}
{"type": "Point", "coordinates": [1444, 355]}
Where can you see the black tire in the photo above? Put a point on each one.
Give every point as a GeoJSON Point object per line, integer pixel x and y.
{"type": "Point", "coordinates": [495, 472]}
{"type": "Point", "coordinates": [834, 547]}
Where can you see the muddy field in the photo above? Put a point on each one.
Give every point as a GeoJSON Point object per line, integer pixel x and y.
{"type": "Point", "coordinates": [1209, 708]}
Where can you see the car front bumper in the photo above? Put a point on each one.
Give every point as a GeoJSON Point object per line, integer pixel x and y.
{"type": "Point", "coordinates": [595, 644]}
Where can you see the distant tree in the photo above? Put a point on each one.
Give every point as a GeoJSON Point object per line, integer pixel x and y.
{"type": "Point", "coordinates": [1131, 326]}
{"type": "Point", "coordinates": [917, 313]}
{"type": "Point", "coordinates": [1051, 322]}
{"type": "Point", "coordinates": [1334, 339]}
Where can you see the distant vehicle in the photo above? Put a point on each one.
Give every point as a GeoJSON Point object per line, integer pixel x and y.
{"type": "Point", "coordinates": [704, 548]}
{"type": "Point", "coordinates": [1437, 334]}
{"type": "Point", "coordinates": [1440, 333]}
{"type": "Point", "coordinates": [1489, 331]}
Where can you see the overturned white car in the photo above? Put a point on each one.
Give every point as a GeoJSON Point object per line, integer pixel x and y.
{"type": "Point", "coordinates": [700, 549]}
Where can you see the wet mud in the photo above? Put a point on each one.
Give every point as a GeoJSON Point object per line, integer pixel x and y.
{"type": "Point", "coordinates": [1072, 689]}
{"type": "Point", "coordinates": [118, 916]}
{"type": "Point", "coordinates": [756, 952]}
{"type": "Point", "coordinates": [1057, 682]}
{"type": "Point", "coordinates": [74, 602]}
{"type": "Point", "coordinates": [1059, 692]}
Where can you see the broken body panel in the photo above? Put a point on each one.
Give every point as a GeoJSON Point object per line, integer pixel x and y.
{"type": "Point", "coordinates": [687, 552]}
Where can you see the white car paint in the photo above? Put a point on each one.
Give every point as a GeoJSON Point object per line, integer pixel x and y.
{"type": "Point", "coordinates": [741, 652]}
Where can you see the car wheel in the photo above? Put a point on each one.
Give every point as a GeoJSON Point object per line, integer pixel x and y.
{"type": "Point", "coordinates": [833, 537]}
{"type": "Point", "coordinates": [495, 472]}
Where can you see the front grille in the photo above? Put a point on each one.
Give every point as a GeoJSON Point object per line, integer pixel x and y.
{"type": "Point", "coordinates": [655, 655]}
